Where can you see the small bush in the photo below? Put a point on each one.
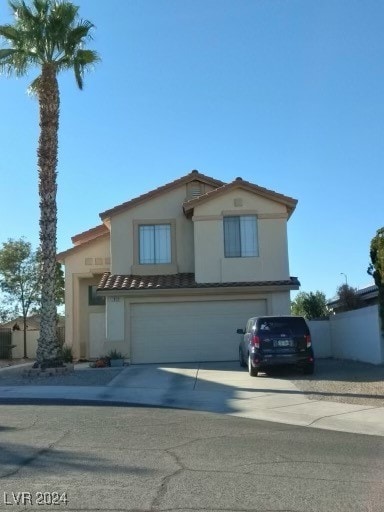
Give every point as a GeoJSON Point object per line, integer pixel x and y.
{"type": "Point", "coordinates": [66, 353]}
{"type": "Point", "coordinates": [114, 354]}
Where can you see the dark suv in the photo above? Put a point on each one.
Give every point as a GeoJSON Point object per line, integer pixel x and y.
{"type": "Point", "coordinates": [271, 341]}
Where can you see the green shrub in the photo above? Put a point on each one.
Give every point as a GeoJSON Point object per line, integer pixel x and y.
{"type": "Point", "coordinates": [66, 353]}
{"type": "Point", "coordinates": [114, 354]}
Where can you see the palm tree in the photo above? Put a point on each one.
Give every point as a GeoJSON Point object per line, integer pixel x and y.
{"type": "Point", "coordinates": [50, 36]}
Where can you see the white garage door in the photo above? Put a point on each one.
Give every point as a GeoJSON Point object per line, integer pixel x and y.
{"type": "Point", "coordinates": [189, 331]}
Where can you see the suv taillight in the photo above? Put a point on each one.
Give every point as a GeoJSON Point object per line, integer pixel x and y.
{"type": "Point", "coordinates": [308, 340]}
{"type": "Point", "coordinates": [255, 341]}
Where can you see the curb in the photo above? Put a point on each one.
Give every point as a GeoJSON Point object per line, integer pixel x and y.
{"type": "Point", "coordinates": [16, 367]}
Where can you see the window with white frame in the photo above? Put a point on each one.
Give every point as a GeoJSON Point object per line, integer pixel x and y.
{"type": "Point", "coordinates": [240, 236]}
{"type": "Point", "coordinates": [155, 244]}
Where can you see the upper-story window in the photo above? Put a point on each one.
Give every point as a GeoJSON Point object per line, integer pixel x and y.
{"type": "Point", "coordinates": [240, 236]}
{"type": "Point", "coordinates": [155, 244]}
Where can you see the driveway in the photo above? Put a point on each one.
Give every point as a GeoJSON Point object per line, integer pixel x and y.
{"type": "Point", "coordinates": [209, 387]}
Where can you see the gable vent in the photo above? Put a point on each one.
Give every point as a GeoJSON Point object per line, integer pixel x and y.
{"type": "Point", "coordinates": [195, 189]}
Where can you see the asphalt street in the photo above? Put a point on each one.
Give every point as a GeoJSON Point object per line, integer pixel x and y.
{"type": "Point", "coordinates": [98, 458]}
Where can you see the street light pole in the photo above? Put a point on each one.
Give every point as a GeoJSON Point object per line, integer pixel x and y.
{"type": "Point", "coordinates": [345, 275]}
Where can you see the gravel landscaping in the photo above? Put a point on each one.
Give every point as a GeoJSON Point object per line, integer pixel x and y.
{"type": "Point", "coordinates": [80, 377]}
{"type": "Point", "coordinates": [343, 381]}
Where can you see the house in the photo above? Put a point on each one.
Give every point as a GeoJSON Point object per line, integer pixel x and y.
{"type": "Point", "coordinates": [32, 334]}
{"type": "Point", "coordinates": [170, 275]}
{"type": "Point", "coordinates": [367, 296]}
{"type": "Point", "coordinates": [33, 323]}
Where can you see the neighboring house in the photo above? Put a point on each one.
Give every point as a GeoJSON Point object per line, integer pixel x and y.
{"type": "Point", "coordinates": [32, 334]}
{"type": "Point", "coordinates": [170, 275]}
{"type": "Point", "coordinates": [33, 323]}
{"type": "Point", "coordinates": [369, 296]}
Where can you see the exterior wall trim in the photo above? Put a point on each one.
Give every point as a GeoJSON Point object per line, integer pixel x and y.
{"type": "Point", "coordinates": [235, 290]}
{"type": "Point", "coordinates": [272, 215]}
{"type": "Point", "coordinates": [197, 218]}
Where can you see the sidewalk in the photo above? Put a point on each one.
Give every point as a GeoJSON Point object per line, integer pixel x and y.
{"type": "Point", "coordinates": [219, 389]}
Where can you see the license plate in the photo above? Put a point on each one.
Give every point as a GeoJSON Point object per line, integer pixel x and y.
{"type": "Point", "coordinates": [283, 343]}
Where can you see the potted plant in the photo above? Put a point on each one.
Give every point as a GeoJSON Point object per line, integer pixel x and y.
{"type": "Point", "coordinates": [115, 357]}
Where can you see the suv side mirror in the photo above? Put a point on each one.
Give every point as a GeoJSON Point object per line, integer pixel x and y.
{"type": "Point", "coordinates": [240, 331]}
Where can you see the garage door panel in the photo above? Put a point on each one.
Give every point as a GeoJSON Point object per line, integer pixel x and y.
{"type": "Point", "coordinates": [189, 331]}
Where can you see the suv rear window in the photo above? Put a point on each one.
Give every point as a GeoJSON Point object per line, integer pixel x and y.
{"type": "Point", "coordinates": [292, 325]}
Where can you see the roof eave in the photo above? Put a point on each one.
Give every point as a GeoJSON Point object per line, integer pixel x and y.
{"type": "Point", "coordinates": [288, 202]}
{"type": "Point", "coordinates": [60, 257]}
{"type": "Point", "coordinates": [192, 176]}
{"type": "Point", "coordinates": [228, 290]}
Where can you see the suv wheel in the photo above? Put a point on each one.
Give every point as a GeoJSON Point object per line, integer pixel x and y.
{"type": "Point", "coordinates": [309, 369]}
{"type": "Point", "coordinates": [251, 370]}
{"type": "Point", "coordinates": [243, 364]}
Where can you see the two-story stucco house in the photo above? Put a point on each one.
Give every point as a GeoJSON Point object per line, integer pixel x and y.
{"type": "Point", "coordinates": [170, 275]}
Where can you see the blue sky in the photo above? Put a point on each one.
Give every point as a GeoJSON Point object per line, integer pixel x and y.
{"type": "Point", "coordinates": [288, 94]}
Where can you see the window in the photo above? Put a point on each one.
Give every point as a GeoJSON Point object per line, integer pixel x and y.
{"type": "Point", "coordinates": [155, 244]}
{"type": "Point", "coordinates": [240, 236]}
{"type": "Point", "coordinates": [93, 299]}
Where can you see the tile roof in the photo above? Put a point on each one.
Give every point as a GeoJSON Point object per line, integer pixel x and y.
{"type": "Point", "coordinates": [366, 293]}
{"type": "Point", "coordinates": [111, 282]}
{"type": "Point", "coordinates": [368, 289]}
{"type": "Point", "coordinates": [91, 233]}
{"type": "Point", "coordinates": [62, 255]}
{"type": "Point", "coordinates": [290, 202]}
{"type": "Point", "coordinates": [33, 322]}
{"type": "Point", "coordinates": [192, 176]}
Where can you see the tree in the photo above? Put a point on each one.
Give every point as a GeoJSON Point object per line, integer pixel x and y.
{"type": "Point", "coordinates": [348, 298]}
{"type": "Point", "coordinates": [20, 278]}
{"type": "Point", "coordinates": [376, 268]}
{"type": "Point", "coordinates": [47, 35]}
{"type": "Point", "coordinates": [310, 305]}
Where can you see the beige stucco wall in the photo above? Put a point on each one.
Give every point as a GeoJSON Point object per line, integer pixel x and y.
{"type": "Point", "coordinates": [83, 268]}
{"type": "Point", "coordinates": [18, 340]}
{"type": "Point", "coordinates": [250, 201]}
{"type": "Point", "coordinates": [272, 262]}
{"type": "Point", "coordinates": [280, 303]}
{"type": "Point", "coordinates": [166, 207]}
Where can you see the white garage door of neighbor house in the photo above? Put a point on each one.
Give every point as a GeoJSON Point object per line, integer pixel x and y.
{"type": "Point", "coordinates": [189, 331]}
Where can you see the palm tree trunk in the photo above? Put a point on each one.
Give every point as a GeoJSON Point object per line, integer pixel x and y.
{"type": "Point", "coordinates": [49, 101]}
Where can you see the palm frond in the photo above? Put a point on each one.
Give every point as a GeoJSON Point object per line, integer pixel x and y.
{"type": "Point", "coordinates": [47, 31]}
{"type": "Point", "coordinates": [6, 53]}
{"type": "Point", "coordinates": [84, 61]}
{"type": "Point", "coordinates": [33, 89]}
{"type": "Point", "coordinates": [13, 62]}
{"type": "Point", "coordinates": [9, 32]}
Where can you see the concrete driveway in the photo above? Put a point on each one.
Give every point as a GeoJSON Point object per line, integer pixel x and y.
{"type": "Point", "coordinates": [222, 377]}
{"type": "Point", "coordinates": [227, 388]}
{"type": "Point", "coordinates": [209, 387]}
